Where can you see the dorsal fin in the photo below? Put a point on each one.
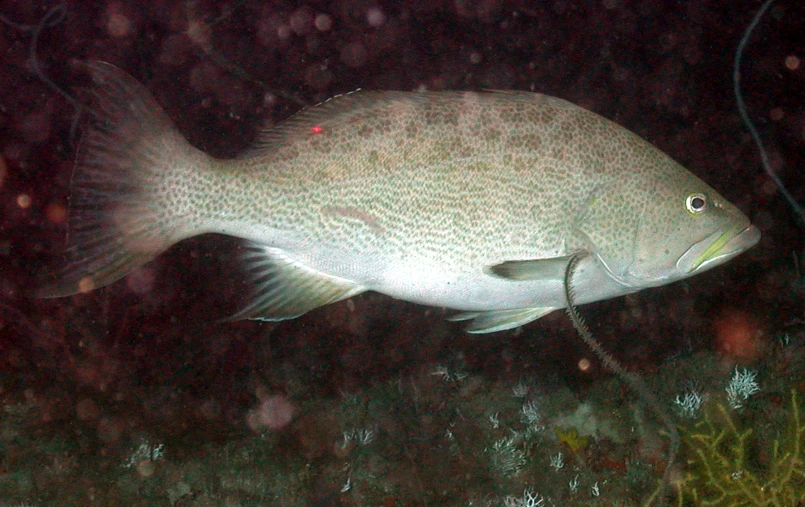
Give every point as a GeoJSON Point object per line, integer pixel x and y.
{"type": "Point", "coordinates": [343, 110]}
{"type": "Point", "coordinates": [333, 111]}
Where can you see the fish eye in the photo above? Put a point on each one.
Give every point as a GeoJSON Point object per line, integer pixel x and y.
{"type": "Point", "coordinates": [696, 203]}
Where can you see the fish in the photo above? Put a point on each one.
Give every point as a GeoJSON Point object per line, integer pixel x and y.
{"type": "Point", "coordinates": [471, 201]}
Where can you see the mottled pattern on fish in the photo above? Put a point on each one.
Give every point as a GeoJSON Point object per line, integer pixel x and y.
{"type": "Point", "coordinates": [416, 195]}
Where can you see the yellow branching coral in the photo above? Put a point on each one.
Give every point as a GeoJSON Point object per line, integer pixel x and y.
{"type": "Point", "coordinates": [724, 470]}
{"type": "Point", "coordinates": [571, 438]}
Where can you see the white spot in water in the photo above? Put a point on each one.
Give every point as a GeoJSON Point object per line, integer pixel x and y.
{"type": "Point", "coordinates": [375, 17]}
{"type": "Point", "coordinates": [323, 22]}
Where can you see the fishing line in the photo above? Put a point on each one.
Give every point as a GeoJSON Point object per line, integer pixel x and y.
{"type": "Point", "coordinates": [199, 32]}
{"type": "Point", "coordinates": [635, 382]}
{"type": "Point", "coordinates": [736, 79]}
{"type": "Point", "coordinates": [52, 18]}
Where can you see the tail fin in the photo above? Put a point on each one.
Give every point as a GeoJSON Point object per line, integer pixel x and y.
{"type": "Point", "coordinates": [125, 202]}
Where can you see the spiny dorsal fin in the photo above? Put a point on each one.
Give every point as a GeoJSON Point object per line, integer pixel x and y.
{"type": "Point", "coordinates": [336, 111]}
{"type": "Point", "coordinates": [345, 110]}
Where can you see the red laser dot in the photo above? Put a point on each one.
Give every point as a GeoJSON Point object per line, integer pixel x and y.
{"type": "Point", "coordinates": [317, 129]}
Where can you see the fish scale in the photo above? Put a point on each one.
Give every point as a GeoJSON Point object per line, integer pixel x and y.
{"type": "Point", "coordinates": [471, 201]}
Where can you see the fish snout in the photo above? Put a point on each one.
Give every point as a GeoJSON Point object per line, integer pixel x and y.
{"type": "Point", "coordinates": [717, 248]}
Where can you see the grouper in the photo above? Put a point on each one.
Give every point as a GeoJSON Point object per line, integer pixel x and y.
{"type": "Point", "coordinates": [471, 201]}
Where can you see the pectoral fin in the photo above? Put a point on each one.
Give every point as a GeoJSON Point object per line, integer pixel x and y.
{"type": "Point", "coordinates": [532, 269]}
{"type": "Point", "coordinates": [284, 288]}
{"type": "Point", "coordinates": [500, 320]}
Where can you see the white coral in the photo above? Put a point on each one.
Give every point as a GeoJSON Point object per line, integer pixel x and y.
{"type": "Point", "coordinates": [742, 385]}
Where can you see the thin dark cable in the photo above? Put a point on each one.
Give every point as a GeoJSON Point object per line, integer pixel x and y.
{"type": "Point", "coordinates": [53, 17]}
{"type": "Point", "coordinates": [224, 63]}
{"type": "Point", "coordinates": [635, 382]}
{"type": "Point", "coordinates": [736, 80]}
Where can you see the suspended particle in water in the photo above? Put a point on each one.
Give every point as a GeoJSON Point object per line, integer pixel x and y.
{"type": "Point", "coordinates": [354, 54]}
{"type": "Point", "coordinates": [776, 114]}
{"type": "Point", "coordinates": [24, 201]}
{"type": "Point", "coordinates": [86, 284]}
{"type": "Point", "coordinates": [584, 364]}
{"type": "Point", "coordinates": [274, 413]}
{"type": "Point", "coordinates": [375, 17]}
{"type": "Point", "coordinates": [301, 21]}
{"type": "Point", "coordinates": [323, 22]}
{"type": "Point", "coordinates": [56, 213]}
{"type": "Point", "coordinates": [118, 25]}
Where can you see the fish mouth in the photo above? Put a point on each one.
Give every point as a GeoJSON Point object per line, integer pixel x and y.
{"type": "Point", "coordinates": [718, 248]}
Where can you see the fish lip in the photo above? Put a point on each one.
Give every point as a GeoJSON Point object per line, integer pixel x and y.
{"type": "Point", "coordinates": [717, 248]}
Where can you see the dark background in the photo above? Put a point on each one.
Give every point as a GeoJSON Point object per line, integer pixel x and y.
{"type": "Point", "coordinates": [221, 70]}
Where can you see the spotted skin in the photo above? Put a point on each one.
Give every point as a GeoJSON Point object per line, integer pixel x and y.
{"type": "Point", "coordinates": [415, 195]}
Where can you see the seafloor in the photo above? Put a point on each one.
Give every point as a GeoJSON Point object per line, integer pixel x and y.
{"type": "Point", "coordinates": [138, 394]}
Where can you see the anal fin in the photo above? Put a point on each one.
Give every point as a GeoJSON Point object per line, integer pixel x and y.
{"type": "Point", "coordinates": [284, 288]}
{"type": "Point", "coordinates": [500, 320]}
